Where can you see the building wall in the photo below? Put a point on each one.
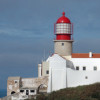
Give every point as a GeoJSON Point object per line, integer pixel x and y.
{"type": "Point", "coordinates": [45, 68]}
{"type": "Point", "coordinates": [71, 78]}
{"type": "Point", "coordinates": [39, 70]}
{"type": "Point", "coordinates": [67, 57]}
{"type": "Point", "coordinates": [27, 82]}
{"type": "Point", "coordinates": [63, 75]}
{"type": "Point", "coordinates": [89, 63]}
{"type": "Point", "coordinates": [13, 86]}
{"type": "Point", "coordinates": [63, 47]}
{"type": "Point", "coordinates": [30, 93]}
{"type": "Point", "coordinates": [34, 82]}
{"type": "Point", "coordinates": [57, 76]}
{"type": "Point", "coordinates": [76, 78]}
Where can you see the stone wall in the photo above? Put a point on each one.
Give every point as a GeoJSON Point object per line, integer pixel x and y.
{"type": "Point", "coordinates": [34, 82]}
{"type": "Point", "coordinates": [13, 85]}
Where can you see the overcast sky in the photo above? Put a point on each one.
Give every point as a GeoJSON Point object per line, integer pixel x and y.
{"type": "Point", "coordinates": [26, 32]}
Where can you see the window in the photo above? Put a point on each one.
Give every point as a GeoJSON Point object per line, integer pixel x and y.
{"type": "Point", "coordinates": [13, 92]}
{"type": "Point", "coordinates": [15, 81]}
{"type": "Point", "coordinates": [84, 68]}
{"type": "Point", "coordinates": [95, 67]}
{"type": "Point", "coordinates": [63, 28]}
{"type": "Point", "coordinates": [86, 77]}
{"type": "Point", "coordinates": [77, 67]}
{"type": "Point", "coordinates": [62, 44]}
{"type": "Point", "coordinates": [47, 72]}
{"type": "Point", "coordinates": [32, 90]}
{"type": "Point", "coordinates": [21, 90]}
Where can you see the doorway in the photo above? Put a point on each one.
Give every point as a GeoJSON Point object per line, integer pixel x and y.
{"type": "Point", "coordinates": [27, 92]}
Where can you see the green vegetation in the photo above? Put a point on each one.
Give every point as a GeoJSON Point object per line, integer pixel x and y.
{"type": "Point", "coordinates": [88, 92]}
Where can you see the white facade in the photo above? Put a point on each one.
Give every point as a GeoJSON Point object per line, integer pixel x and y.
{"type": "Point", "coordinates": [57, 73]}
{"type": "Point", "coordinates": [89, 63]}
{"type": "Point", "coordinates": [39, 70]}
{"type": "Point", "coordinates": [63, 72]}
{"type": "Point", "coordinates": [77, 78]}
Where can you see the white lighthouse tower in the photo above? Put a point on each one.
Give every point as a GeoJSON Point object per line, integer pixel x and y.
{"type": "Point", "coordinates": [63, 31]}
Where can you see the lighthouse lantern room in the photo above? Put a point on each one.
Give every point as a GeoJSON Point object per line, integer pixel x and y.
{"type": "Point", "coordinates": [63, 30]}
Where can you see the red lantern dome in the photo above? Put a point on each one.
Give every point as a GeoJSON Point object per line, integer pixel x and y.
{"type": "Point", "coordinates": [63, 19]}
{"type": "Point", "coordinates": [63, 28]}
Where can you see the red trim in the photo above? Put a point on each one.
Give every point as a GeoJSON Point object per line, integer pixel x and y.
{"type": "Point", "coordinates": [85, 55]}
{"type": "Point", "coordinates": [63, 37]}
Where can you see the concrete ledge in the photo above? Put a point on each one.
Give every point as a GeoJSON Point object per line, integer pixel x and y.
{"type": "Point", "coordinates": [63, 40]}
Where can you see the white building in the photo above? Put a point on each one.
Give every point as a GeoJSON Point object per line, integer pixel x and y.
{"type": "Point", "coordinates": [65, 73]}
{"type": "Point", "coordinates": [68, 69]}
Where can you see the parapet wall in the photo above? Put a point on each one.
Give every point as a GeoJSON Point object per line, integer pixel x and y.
{"type": "Point", "coordinates": [27, 82]}
{"type": "Point", "coordinates": [34, 82]}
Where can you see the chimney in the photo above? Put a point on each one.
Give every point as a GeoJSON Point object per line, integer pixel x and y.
{"type": "Point", "coordinates": [90, 54]}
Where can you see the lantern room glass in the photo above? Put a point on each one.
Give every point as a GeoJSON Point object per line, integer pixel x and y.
{"type": "Point", "coordinates": [63, 28]}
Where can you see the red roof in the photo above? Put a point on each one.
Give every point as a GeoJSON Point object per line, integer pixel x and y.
{"type": "Point", "coordinates": [63, 19]}
{"type": "Point", "coordinates": [85, 55]}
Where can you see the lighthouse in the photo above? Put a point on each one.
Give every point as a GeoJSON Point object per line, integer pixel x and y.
{"type": "Point", "coordinates": [63, 30]}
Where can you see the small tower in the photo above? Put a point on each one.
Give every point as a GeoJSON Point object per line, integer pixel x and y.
{"type": "Point", "coordinates": [63, 32]}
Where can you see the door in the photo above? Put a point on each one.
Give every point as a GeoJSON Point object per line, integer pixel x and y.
{"type": "Point", "coordinates": [27, 92]}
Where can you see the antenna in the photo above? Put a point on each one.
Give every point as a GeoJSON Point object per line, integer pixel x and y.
{"type": "Point", "coordinates": [44, 55]}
